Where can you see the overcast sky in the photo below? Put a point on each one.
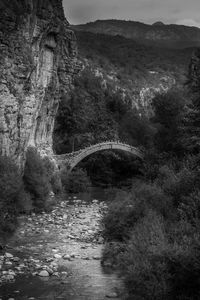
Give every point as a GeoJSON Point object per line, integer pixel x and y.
{"type": "Point", "coordinates": [148, 11]}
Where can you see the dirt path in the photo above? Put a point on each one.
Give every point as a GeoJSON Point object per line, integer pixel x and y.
{"type": "Point", "coordinates": [57, 256]}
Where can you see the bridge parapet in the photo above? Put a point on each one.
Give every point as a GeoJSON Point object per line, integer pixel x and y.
{"type": "Point", "coordinates": [72, 159]}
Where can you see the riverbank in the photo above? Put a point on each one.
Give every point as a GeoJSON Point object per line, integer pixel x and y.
{"type": "Point", "coordinates": [57, 256]}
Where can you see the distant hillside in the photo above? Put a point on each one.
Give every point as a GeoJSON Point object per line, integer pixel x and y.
{"type": "Point", "coordinates": [136, 71]}
{"type": "Point", "coordinates": [173, 36]}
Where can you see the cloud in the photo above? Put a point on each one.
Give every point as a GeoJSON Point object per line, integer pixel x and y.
{"type": "Point", "coordinates": [188, 22]}
{"type": "Point", "coordinates": [147, 11]}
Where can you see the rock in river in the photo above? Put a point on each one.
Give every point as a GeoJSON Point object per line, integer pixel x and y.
{"type": "Point", "coordinates": [43, 273]}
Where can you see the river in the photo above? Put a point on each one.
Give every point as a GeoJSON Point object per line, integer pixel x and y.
{"type": "Point", "coordinates": [57, 255]}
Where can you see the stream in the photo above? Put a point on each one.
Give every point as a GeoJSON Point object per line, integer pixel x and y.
{"type": "Point", "coordinates": [57, 255]}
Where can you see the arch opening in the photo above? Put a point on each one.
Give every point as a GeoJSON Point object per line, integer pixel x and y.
{"type": "Point", "coordinates": [110, 168]}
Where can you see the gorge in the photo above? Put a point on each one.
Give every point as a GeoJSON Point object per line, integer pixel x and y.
{"type": "Point", "coordinates": [99, 157]}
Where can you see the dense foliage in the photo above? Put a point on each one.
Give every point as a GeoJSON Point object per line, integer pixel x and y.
{"type": "Point", "coordinates": [153, 230]}
{"type": "Point", "coordinates": [131, 58]}
{"type": "Point", "coordinates": [11, 191]}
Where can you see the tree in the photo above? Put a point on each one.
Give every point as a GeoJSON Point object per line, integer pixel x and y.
{"type": "Point", "coordinates": [191, 121]}
{"type": "Point", "coordinates": [168, 109]}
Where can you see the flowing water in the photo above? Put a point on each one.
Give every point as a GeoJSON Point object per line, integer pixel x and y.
{"type": "Point", "coordinates": [57, 255]}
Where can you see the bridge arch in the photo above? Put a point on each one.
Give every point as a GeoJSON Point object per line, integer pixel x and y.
{"type": "Point", "coordinates": [72, 159]}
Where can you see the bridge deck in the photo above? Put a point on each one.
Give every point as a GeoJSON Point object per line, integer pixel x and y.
{"type": "Point", "coordinates": [73, 158]}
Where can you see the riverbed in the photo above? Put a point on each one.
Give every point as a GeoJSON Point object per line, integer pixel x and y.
{"type": "Point", "coordinates": [57, 255]}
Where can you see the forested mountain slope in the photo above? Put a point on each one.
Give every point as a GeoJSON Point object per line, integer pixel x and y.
{"type": "Point", "coordinates": [170, 36]}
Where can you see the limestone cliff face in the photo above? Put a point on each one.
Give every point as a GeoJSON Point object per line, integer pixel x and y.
{"type": "Point", "coordinates": [37, 64]}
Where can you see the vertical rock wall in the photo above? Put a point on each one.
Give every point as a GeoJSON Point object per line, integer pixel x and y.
{"type": "Point", "coordinates": [37, 64]}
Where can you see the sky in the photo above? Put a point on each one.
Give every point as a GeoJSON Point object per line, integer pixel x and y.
{"type": "Point", "coordinates": [185, 12]}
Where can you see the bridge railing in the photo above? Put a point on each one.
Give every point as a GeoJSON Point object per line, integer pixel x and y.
{"type": "Point", "coordinates": [82, 151]}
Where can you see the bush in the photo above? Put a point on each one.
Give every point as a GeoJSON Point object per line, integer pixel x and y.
{"type": "Point", "coordinates": [151, 196]}
{"type": "Point", "coordinates": [143, 264]}
{"type": "Point", "coordinates": [184, 261]}
{"type": "Point", "coordinates": [75, 182]}
{"type": "Point", "coordinates": [169, 109]}
{"type": "Point", "coordinates": [11, 189]}
{"type": "Point", "coordinates": [36, 179]}
{"type": "Point", "coordinates": [128, 208]}
{"type": "Point", "coordinates": [189, 208]}
{"type": "Point", "coordinates": [56, 183]}
{"type": "Point", "coordinates": [176, 184]}
{"type": "Point", "coordinates": [112, 253]}
{"type": "Point", "coordinates": [25, 205]}
{"type": "Point", "coordinates": [159, 265]}
{"type": "Point", "coordinates": [121, 216]}
{"type": "Point", "coordinates": [53, 175]}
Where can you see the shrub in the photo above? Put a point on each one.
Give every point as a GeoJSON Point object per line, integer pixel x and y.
{"type": "Point", "coordinates": [143, 263]}
{"type": "Point", "coordinates": [56, 183]}
{"type": "Point", "coordinates": [189, 208]}
{"type": "Point", "coordinates": [36, 179]}
{"type": "Point", "coordinates": [127, 209]}
{"type": "Point", "coordinates": [111, 193]}
{"type": "Point", "coordinates": [11, 189]}
{"type": "Point", "coordinates": [152, 196]}
{"type": "Point", "coordinates": [121, 217]}
{"type": "Point", "coordinates": [169, 108]}
{"type": "Point", "coordinates": [25, 203]}
{"type": "Point", "coordinates": [75, 182]}
{"type": "Point", "coordinates": [161, 265]}
{"type": "Point", "coordinates": [176, 184]}
{"type": "Point", "coordinates": [112, 253]}
{"type": "Point", "coordinates": [53, 175]}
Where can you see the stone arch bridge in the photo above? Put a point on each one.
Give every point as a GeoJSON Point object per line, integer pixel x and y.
{"type": "Point", "coordinates": [72, 159]}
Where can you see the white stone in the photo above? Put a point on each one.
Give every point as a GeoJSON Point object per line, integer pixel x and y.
{"type": "Point", "coordinates": [8, 255]}
{"type": "Point", "coordinates": [43, 273]}
{"type": "Point", "coordinates": [67, 257]}
{"type": "Point", "coordinates": [58, 256]}
{"type": "Point", "coordinates": [112, 295]}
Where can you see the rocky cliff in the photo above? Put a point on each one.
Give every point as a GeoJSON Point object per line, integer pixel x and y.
{"type": "Point", "coordinates": [37, 62]}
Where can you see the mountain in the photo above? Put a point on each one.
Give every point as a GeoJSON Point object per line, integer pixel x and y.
{"type": "Point", "coordinates": [159, 34]}
{"type": "Point", "coordinates": [137, 71]}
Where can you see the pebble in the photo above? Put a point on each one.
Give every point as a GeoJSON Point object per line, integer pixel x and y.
{"type": "Point", "coordinates": [96, 257]}
{"type": "Point", "coordinates": [49, 270]}
{"type": "Point", "coordinates": [67, 257]}
{"type": "Point", "coordinates": [112, 295]}
{"type": "Point", "coordinates": [16, 259]}
{"type": "Point", "coordinates": [43, 273]}
{"type": "Point", "coordinates": [58, 256]}
{"type": "Point", "coordinates": [8, 255]}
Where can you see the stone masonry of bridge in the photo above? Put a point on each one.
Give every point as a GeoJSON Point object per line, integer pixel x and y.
{"type": "Point", "coordinates": [70, 160]}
